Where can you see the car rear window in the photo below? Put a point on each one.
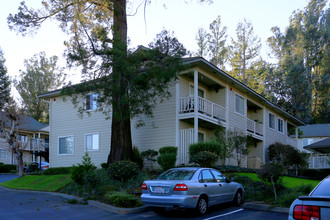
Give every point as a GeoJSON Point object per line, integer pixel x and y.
{"type": "Point", "coordinates": [176, 175]}
{"type": "Point", "coordinates": [323, 189]}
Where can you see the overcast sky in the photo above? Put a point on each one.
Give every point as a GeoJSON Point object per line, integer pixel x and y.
{"type": "Point", "coordinates": [183, 17]}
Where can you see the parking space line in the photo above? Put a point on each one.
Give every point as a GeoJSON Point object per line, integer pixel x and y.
{"type": "Point", "coordinates": [229, 213]}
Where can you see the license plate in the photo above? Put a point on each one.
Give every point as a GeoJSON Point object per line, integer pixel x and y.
{"type": "Point", "coordinates": [159, 189]}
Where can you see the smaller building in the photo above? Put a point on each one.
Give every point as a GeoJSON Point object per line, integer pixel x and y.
{"type": "Point", "coordinates": [315, 140]}
{"type": "Point", "coordinates": [32, 135]}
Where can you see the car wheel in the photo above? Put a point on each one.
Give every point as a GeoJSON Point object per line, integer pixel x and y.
{"type": "Point", "coordinates": [158, 210]}
{"type": "Point", "coordinates": [238, 198]}
{"type": "Point", "coordinates": [202, 205]}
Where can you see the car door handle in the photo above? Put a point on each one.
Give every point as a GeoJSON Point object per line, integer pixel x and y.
{"type": "Point", "coordinates": [205, 185]}
{"type": "Point", "coordinates": [220, 184]}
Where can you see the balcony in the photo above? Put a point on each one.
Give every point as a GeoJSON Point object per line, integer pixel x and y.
{"type": "Point", "coordinates": [254, 127]}
{"type": "Point", "coordinates": [319, 161]}
{"type": "Point", "coordinates": [205, 107]}
{"type": "Point", "coordinates": [36, 144]}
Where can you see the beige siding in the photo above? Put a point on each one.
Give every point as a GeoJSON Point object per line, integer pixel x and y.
{"type": "Point", "coordinates": [159, 130]}
{"type": "Point", "coordinates": [65, 121]}
{"type": "Point", "coordinates": [236, 120]}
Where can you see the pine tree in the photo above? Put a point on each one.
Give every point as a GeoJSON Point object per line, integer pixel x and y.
{"type": "Point", "coordinates": [4, 83]}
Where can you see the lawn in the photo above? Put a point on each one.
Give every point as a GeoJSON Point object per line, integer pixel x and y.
{"type": "Point", "coordinates": [51, 183]}
{"type": "Point", "coordinates": [289, 182]}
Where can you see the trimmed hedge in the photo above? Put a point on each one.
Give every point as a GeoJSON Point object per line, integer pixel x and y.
{"type": "Point", "coordinates": [122, 199]}
{"type": "Point", "coordinates": [123, 170]}
{"type": "Point", "coordinates": [58, 170]}
{"type": "Point", "coordinates": [167, 157]}
{"type": "Point", "coordinates": [168, 150]}
{"type": "Point", "coordinates": [204, 158]}
{"type": "Point", "coordinates": [7, 168]}
{"type": "Point", "coordinates": [234, 169]}
{"type": "Point", "coordinates": [212, 146]}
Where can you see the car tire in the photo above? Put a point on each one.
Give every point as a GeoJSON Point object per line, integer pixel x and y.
{"type": "Point", "coordinates": [202, 205]}
{"type": "Point", "coordinates": [238, 198]}
{"type": "Point", "coordinates": [158, 210]}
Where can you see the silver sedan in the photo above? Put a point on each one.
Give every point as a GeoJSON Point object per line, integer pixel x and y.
{"type": "Point", "coordinates": [190, 187]}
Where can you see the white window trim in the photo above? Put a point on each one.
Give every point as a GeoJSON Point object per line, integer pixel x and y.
{"type": "Point", "coordinates": [274, 129]}
{"type": "Point", "coordinates": [58, 145]}
{"type": "Point", "coordinates": [192, 84]}
{"type": "Point", "coordinates": [243, 104]}
{"type": "Point", "coordinates": [85, 143]}
{"type": "Point", "coordinates": [281, 132]}
{"type": "Point", "coordinates": [91, 110]}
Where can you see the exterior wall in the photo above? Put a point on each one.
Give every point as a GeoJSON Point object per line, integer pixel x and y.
{"type": "Point", "coordinates": [158, 131]}
{"type": "Point", "coordinates": [311, 139]}
{"type": "Point", "coordinates": [236, 120]}
{"type": "Point", "coordinates": [65, 121]}
{"type": "Point", "coordinates": [8, 157]}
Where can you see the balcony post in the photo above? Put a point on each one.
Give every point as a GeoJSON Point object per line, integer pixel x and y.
{"type": "Point", "coordinates": [196, 106]}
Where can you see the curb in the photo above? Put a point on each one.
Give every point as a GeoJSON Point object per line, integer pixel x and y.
{"type": "Point", "coordinates": [93, 203]}
{"type": "Point", "coordinates": [263, 207]}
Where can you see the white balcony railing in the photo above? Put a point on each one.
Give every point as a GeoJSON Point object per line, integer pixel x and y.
{"type": "Point", "coordinates": [254, 127]}
{"type": "Point", "coordinates": [204, 106]}
{"type": "Point", "coordinates": [319, 161]}
{"type": "Point", "coordinates": [36, 144]}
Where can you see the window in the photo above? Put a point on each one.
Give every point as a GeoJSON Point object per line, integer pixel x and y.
{"type": "Point", "coordinates": [91, 101]}
{"type": "Point", "coordinates": [92, 142]}
{"type": "Point", "coordinates": [218, 176]}
{"type": "Point", "coordinates": [65, 145]}
{"type": "Point", "coordinates": [239, 104]}
{"type": "Point", "coordinates": [22, 138]}
{"type": "Point", "coordinates": [280, 125]}
{"type": "Point", "coordinates": [201, 92]}
{"type": "Point", "coordinates": [206, 177]}
{"type": "Point", "coordinates": [200, 137]}
{"type": "Point", "coordinates": [3, 154]}
{"type": "Point", "coordinates": [271, 121]}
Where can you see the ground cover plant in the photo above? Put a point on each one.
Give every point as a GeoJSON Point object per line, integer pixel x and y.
{"type": "Point", "coordinates": [51, 183]}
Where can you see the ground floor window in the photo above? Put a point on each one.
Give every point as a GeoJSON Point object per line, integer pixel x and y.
{"type": "Point", "coordinates": [3, 154]}
{"type": "Point", "coordinates": [92, 142]}
{"type": "Point", "coordinates": [66, 145]}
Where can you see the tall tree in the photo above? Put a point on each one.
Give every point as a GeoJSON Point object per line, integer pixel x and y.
{"type": "Point", "coordinates": [41, 75]}
{"type": "Point", "coordinates": [216, 42]}
{"type": "Point", "coordinates": [99, 44]}
{"type": "Point", "coordinates": [4, 83]}
{"type": "Point", "coordinates": [201, 38]}
{"type": "Point", "coordinates": [244, 50]}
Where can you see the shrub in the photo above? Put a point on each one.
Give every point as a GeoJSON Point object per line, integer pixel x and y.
{"type": "Point", "coordinates": [204, 158]}
{"type": "Point", "coordinates": [168, 150]}
{"type": "Point", "coordinates": [58, 170]}
{"type": "Point", "coordinates": [33, 167]}
{"type": "Point", "coordinates": [80, 170]}
{"type": "Point", "coordinates": [122, 199]}
{"type": "Point", "coordinates": [7, 168]}
{"type": "Point", "coordinates": [104, 166]}
{"type": "Point", "coordinates": [213, 147]}
{"type": "Point", "coordinates": [123, 170]}
{"type": "Point", "coordinates": [149, 155]}
{"type": "Point", "coordinates": [286, 199]}
{"type": "Point", "coordinates": [137, 158]}
{"type": "Point", "coordinates": [304, 188]}
{"type": "Point", "coordinates": [271, 172]}
{"type": "Point", "coordinates": [234, 169]}
{"type": "Point", "coordinates": [167, 157]}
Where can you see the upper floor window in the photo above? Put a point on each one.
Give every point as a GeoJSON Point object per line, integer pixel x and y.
{"type": "Point", "coordinates": [92, 142]}
{"type": "Point", "coordinates": [91, 101]}
{"type": "Point", "coordinates": [280, 125]}
{"type": "Point", "coordinates": [271, 121]}
{"type": "Point", "coordinates": [65, 145]}
{"type": "Point", "coordinates": [3, 154]}
{"type": "Point", "coordinates": [201, 92]}
{"type": "Point", "coordinates": [22, 138]}
{"type": "Point", "coordinates": [239, 104]}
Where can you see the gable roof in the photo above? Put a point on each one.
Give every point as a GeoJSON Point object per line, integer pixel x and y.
{"type": "Point", "coordinates": [320, 146]}
{"type": "Point", "coordinates": [315, 130]}
{"type": "Point", "coordinates": [26, 123]}
{"type": "Point", "coordinates": [201, 62]}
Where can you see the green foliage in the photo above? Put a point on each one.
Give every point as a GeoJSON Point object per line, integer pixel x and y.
{"type": "Point", "coordinates": [41, 75]}
{"type": "Point", "coordinates": [149, 154]}
{"type": "Point", "coordinates": [57, 170]}
{"type": "Point", "coordinates": [212, 146]}
{"type": "Point", "coordinates": [123, 170]}
{"type": "Point", "coordinates": [122, 199]}
{"type": "Point", "coordinates": [7, 168]}
{"type": "Point", "coordinates": [72, 201]}
{"type": "Point", "coordinates": [167, 157]}
{"type": "Point", "coordinates": [33, 167]}
{"type": "Point", "coordinates": [80, 170]}
{"type": "Point", "coordinates": [137, 157]}
{"type": "Point", "coordinates": [104, 166]}
{"type": "Point", "coordinates": [4, 82]}
{"type": "Point", "coordinates": [204, 158]}
{"type": "Point", "coordinates": [271, 172]}
{"type": "Point", "coordinates": [234, 169]}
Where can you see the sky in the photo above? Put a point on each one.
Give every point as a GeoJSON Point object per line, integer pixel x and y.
{"type": "Point", "coordinates": [183, 17]}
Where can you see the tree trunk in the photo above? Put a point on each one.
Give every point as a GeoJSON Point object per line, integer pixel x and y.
{"type": "Point", "coordinates": [121, 146]}
{"type": "Point", "coordinates": [273, 184]}
{"type": "Point", "coordinates": [19, 159]}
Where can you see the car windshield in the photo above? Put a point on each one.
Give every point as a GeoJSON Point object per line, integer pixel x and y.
{"type": "Point", "coordinates": [323, 189]}
{"type": "Point", "coordinates": [176, 175]}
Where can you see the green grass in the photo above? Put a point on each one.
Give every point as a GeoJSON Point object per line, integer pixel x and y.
{"type": "Point", "coordinates": [51, 183]}
{"type": "Point", "coordinates": [289, 182]}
